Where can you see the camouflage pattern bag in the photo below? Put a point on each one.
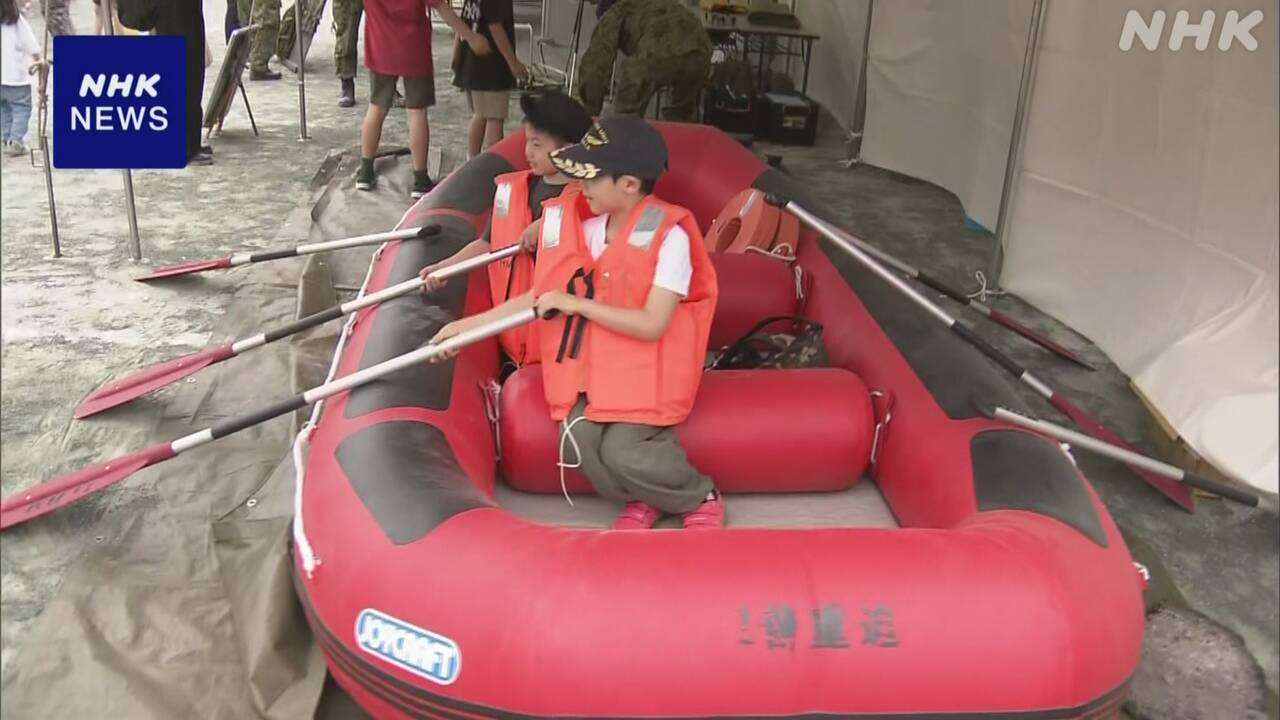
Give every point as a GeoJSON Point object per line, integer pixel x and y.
{"type": "Point", "coordinates": [800, 348]}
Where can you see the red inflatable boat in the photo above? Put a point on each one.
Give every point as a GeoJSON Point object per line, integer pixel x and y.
{"type": "Point", "coordinates": [1001, 588]}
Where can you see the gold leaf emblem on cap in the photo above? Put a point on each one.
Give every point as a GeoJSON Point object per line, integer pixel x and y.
{"type": "Point", "coordinates": [595, 137]}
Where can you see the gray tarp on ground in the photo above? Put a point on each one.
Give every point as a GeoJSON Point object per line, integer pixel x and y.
{"type": "Point", "coordinates": [180, 602]}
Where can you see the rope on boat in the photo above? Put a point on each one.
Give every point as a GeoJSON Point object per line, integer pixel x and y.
{"type": "Point", "coordinates": [566, 433]}
{"type": "Point", "coordinates": [309, 558]}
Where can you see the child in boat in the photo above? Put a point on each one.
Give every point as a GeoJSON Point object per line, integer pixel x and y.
{"type": "Point", "coordinates": [552, 120]}
{"type": "Point", "coordinates": [636, 291]}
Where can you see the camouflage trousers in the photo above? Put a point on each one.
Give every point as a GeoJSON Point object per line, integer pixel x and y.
{"type": "Point", "coordinates": [267, 14]}
{"type": "Point", "coordinates": [56, 17]}
{"type": "Point", "coordinates": [312, 10]}
{"type": "Point", "coordinates": [683, 77]}
{"type": "Point", "coordinates": [346, 32]}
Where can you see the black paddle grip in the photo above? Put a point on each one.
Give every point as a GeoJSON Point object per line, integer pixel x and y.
{"type": "Point", "coordinates": [428, 231]}
{"type": "Point", "coordinates": [273, 255]}
{"type": "Point", "coordinates": [301, 324]}
{"type": "Point", "coordinates": [1238, 494]}
{"type": "Point", "coordinates": [776, 199]}
{"type": "Point", "coordinates": [987, 349]}
{"type": "Point", "coordinates": [235, 425]}
{"type": "Point", "coordinates": [942, 287]}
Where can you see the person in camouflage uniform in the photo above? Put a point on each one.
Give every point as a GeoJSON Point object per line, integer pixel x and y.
{"type": "Point", "coordinates": [665, 46]}
{"type": "Point", "coordinates": [57, 16]}
{"type": "Point", "coordinates": [346, 31]}
{"type": "Point", "coordinates": [267, 14]}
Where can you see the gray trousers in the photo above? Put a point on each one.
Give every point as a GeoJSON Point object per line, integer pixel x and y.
{"type": "Point", "coordinates": [626, 462]}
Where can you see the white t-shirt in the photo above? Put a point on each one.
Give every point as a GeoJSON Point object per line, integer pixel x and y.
{"type": "Point", "coordinates": [674, 270]}
{"type": "Point", "coordinates": [17, 45]}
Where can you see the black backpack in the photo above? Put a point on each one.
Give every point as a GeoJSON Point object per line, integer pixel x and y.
{"type": "Point", "coordinates": [138, 15]}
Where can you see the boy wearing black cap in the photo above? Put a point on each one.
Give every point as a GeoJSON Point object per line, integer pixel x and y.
{"type": "Point", "coordinates": [552, 120]}
{"type": "Point", "coordinates": [635, 291]}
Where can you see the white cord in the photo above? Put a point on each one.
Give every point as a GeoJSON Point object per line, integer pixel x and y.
{"type": "Point", "coordinates": [309, 558]}
{"type": "Point", "coordinates": [776, 253]}
{"type": "Point", "coordinates": [983, 291]}
{"type": "Point", "coordinates": [566, 432]}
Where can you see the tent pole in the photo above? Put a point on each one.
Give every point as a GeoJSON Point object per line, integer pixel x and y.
{"type": "Point", "coordinates": [1026, 84]}
{"type": "Point", "coordinates": [131, 208]}
{"type": "Point", "coordinates": [860, 96]}
{"type": "Point", "coordinates": [302, 70]}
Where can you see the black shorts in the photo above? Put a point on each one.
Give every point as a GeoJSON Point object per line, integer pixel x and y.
{"type": "Point", "coordinates": [419, 92]}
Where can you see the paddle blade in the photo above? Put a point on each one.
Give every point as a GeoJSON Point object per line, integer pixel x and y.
{"type": "Point", "coordinates": [141, 382]}
{"type": "Point", "coordinates": [186, 268]}
{"type": "Point", "coordinates": [1172, 489]}
{"type": "Point", "coordinates": [1037, 338]}
{"type": "Point", "coordinates": [53, 494]}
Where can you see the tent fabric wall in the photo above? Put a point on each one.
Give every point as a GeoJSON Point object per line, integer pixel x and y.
{"type": "Point", "coordinates": [837, 55]}
{"type": "Point", "coordinates": [942, 89]}
{"type": "Point", "coordinates": [1145, 216]}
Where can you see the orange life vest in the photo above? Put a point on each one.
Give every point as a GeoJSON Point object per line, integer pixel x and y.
{"type": "Point", "coordinates": [513, 276]}
{"type": "Point", "coordinates": [625, 379]}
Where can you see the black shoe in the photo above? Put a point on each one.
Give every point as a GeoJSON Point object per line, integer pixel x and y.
{"type": "Point", "coordinates": [206, 149]}
{"type": "Point", "coordinates": [348, 96]}
{"type": "Point", "coordinates": [397, 100]}
{"type": "Point", "coordinates": [201, 158]}
{"type": "Point", "coordinates": [422, 183]}
{"type": "Point", "coordinates": [267, 74]}
{"type": "Point", "coordinates": [366, 178]}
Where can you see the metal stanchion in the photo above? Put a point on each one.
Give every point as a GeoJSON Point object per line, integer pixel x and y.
{"type": "Point", "coordinates": [302, 70]}
{"type": "Point", "coordinates": [43, 130]}
{"type": "Point", "coordinates": [135, 242]}
{"type": "Point", "coordinates": [1030, 60]}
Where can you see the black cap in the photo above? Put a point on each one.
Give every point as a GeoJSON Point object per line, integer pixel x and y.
{"type": "Point", "coordinates": [621, 145]}
{"type": "Point", "coordinates": [553, 112]}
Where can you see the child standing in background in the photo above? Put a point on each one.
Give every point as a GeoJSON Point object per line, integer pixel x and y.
{"type": "Point", "coordinates": [488, 79]}
{"type": "Point", "coordinates": [18, 50]}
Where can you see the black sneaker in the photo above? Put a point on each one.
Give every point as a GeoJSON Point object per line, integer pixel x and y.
{"type": "Point", "coordinates": [348, 96]}
{"type": "Point", "coordinates": [422, 183]}
{"type": "Point", "coordinates": [267, 74]}
{"type": "Point", "coordinates": [201, 158]}
{"type": "Point", "coordinates": [397, 100]}
{"type": "Point", "coordinates": [366, 178]}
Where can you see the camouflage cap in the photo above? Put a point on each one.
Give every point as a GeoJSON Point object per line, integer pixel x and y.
{"type": "Point", "coordinates": [621, 145]}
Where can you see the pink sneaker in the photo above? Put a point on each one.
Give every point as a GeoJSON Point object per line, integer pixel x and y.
{"type": "Point", "coordinates": [636, 516]}
{"type": "Point", "coordinates": [707, 516]}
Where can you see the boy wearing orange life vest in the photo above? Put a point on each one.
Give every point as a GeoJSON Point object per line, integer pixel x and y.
{"type": "Point", "coordinates": [552, 120]}
{"type": "Point", "coordinates": [635, 291]}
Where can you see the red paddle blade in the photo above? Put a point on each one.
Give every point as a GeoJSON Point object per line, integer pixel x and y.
{"type": "Point", "coordinates": [1037, 338]}
{"type": "Point", "coordinates": [53, 494]}
{"type": "Point", "coordinates": [1172, 489]}
{"type": "Point", "coordinates": [186, 268]}
{"type": "Point", "coordinates": [141, 382]}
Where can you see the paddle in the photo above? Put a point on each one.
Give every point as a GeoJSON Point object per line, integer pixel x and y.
{"type": "Point", "coordinates": [199, 266]}
{"type": "Point", "coordinates": [987, 311]}
{"type": "Point", "coordinates": [1173, 490]}
{"type": "Point", "coordinates": [141, 382]}
{"type": "Point", "coordinates": [53, 494]}
{"type": "Point", "coordinates": [1128, 457]}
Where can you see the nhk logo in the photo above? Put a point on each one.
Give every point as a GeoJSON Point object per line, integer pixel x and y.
{"type": "Point", "coordinates": [421, 652]}
{"type": "Point", "coordinates": [102, 117]}
{"type": "Point", "coordinates": [119, 102]}
{"type": "Point", "coordinates": [1234, 28]}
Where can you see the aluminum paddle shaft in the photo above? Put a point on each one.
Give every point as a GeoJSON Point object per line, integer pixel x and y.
{"type": "Point", "coordinates": [1175, 491]}
{"type": "Point", "coordinates": [985, 310]}
{"type": "Point", "coordinates": [237, 259]}
{"type": "Point", "coordinates": [140, 382]}
{"type": "Point", "coordinates": [1129, 457]}
{"type": "Point", "coordinates": [53, 494]}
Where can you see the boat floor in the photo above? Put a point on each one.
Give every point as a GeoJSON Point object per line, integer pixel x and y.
{"type": "Point", "coordinates": [859, 506]}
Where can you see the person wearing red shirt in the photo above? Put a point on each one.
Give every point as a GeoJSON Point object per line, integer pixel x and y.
{"type": "Point", "coordinates": [397, 44]}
